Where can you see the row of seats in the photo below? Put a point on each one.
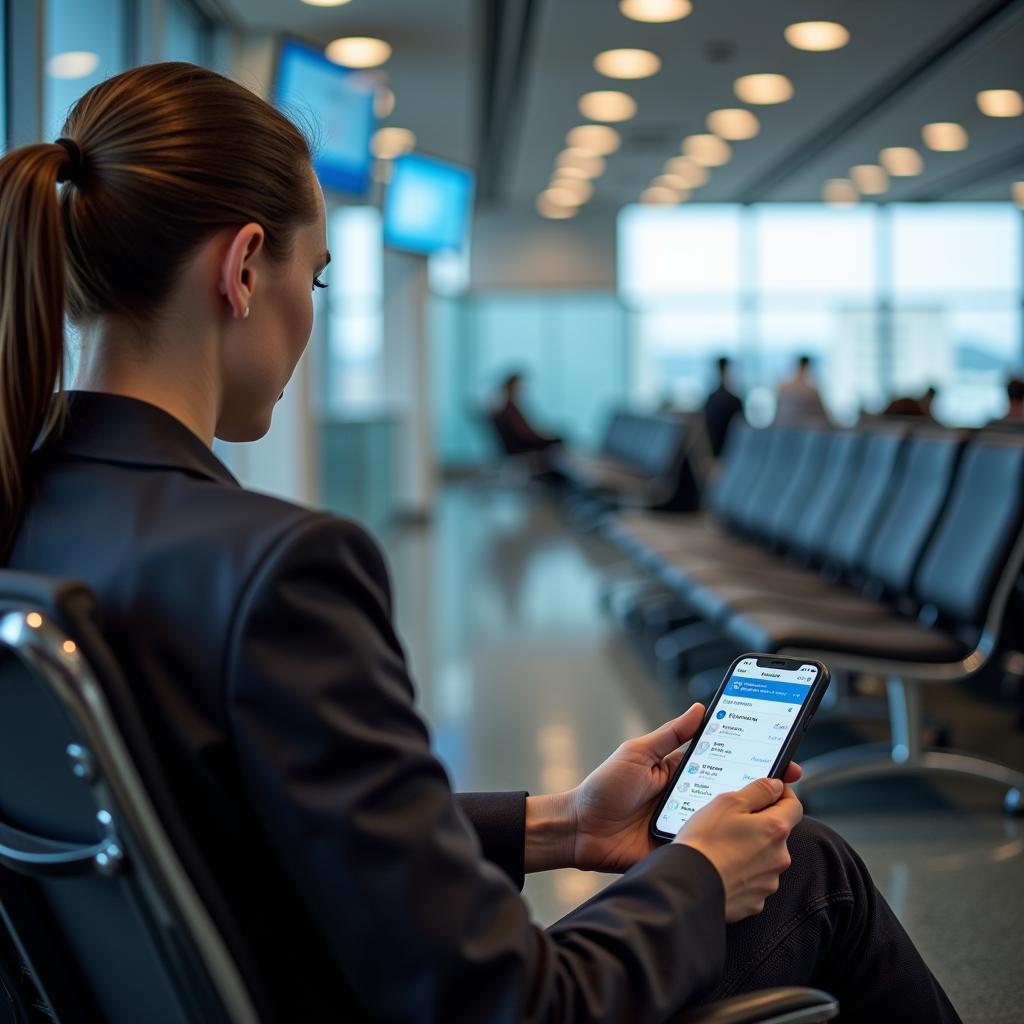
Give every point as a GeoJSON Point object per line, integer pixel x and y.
{"type": "Point", "coordinates": [882, 550]}
{"type": "Point", "coordinates": [645, 460]}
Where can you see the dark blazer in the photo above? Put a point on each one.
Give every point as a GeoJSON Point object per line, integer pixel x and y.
{"type": "Point", "coordinates": [258, 638]}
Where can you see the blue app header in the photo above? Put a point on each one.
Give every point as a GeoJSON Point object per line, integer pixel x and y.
{"type": "Point", "coordinates": [767, 689]}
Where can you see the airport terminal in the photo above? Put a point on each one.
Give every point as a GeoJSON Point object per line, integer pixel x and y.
{"type": "Point", "coordinates": [513, 510]}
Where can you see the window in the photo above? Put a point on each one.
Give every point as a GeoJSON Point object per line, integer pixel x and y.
{"type": "Point", "coordinates": [354, 308]}
{"type": "Point", "coordinates": [85, 43]}
{"type": "Point", "coordinates": [888, 301]}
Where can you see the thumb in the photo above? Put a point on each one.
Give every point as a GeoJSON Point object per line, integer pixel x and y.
{"type": "Point", "coordinates": [759, 794]}
{"type": "Point", "coordinates": [674, 734]}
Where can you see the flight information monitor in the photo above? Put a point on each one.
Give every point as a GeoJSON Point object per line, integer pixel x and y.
{"type": "Point", "coordinates": [429, 203]}
{"type": "Point", "coordinates": [339, 103]}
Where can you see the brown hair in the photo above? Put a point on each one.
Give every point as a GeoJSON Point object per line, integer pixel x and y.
{"type": "Point", "coordinates": [168, 154]}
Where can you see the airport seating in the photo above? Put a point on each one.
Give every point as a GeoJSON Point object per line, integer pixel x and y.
{"type": "Point", "coordinates": [646, 460]}
{"type": "Point", "coordinates": [892, 554]}
{"type": "Point", "coordinates": [108, 914]}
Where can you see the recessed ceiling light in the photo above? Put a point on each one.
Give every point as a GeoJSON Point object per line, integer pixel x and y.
{"type": "Point", "coordinates": [870, 179]}
{"type": "Point", "coordinates": [839, 192]}
{"type": "Point", "coordinates": [817, 35]}
{"type": "Point", "coordinates": [707, 150]}
{"type": "Point", "coordinates": [1018, 193]}
{"type": "Point", "coordinates": [691, 173]}
{"type": "Point", "coordinates": [672, 181]}
{"type": "Point", "coordinates": [627, 63]}
{"type": "Point", "coordinates": [583, 160]}
{"type": "Point", "coordinates": [562, 196]}
{"type": "Point", "coordinates": [944, 136]}
{"type": "Point", "coordinates": [655, 10]}
{"type": "Point", "coordinates": [325, 3]}
{"type": "Point", "coordinates": [387, 143]}
{"type": "Point", "coordinates": [568, 171]}
{"type": "Point", "coordinates": [734, 123]}
{"type": "Point", "coordinates": [552, 210]}
{"type": "Point", "coordinates": [763, 89]}
{"type": "Point", "coordinates": [901, 161]}
{"type": "Point", "coordinates": [581, 188]}
{"type": "Point", "coordinates": [383, 102]}
{"type": "Point", "coordinates": [358, 52]}
{"type": "Point", "coordinates": [607, 105]}
{"type": "Point", "coordinates": [1001, 103]}
{"type": "Point", "coordinates": [72, 64]}
{"type": "Point", "coordinates": [598, 138]}
{"type": "Point", "coordinates": [660, 195]}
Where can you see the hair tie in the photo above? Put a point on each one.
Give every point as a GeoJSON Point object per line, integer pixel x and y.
{"type": "Point", "coordinates": [72, 170]}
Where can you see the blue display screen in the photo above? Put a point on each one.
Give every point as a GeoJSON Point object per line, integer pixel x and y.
{"type": "Point", "coordinates": [428, 204]}
{"type": "Point", "coordinates": [339, 103]}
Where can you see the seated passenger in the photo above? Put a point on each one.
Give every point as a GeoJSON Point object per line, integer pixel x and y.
{"type": "Point", "coordinates": [178, 222]}
{"type": "Point", "coordinates": [1014, 416]}
{"type": "Point", "coordinates": [515, 431]}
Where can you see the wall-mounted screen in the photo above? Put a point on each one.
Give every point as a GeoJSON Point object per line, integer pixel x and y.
{"type": "Point", "coordinates": [428, 205]}
{"type": "Point", "coordinates": [340, 103]}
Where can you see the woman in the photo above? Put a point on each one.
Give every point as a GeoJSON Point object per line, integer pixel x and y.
{"type": "Point", "coordinates": [184, 239]}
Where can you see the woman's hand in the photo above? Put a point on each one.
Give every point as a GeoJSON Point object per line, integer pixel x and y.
{"type": "Point", "coordinates": [613, 805]}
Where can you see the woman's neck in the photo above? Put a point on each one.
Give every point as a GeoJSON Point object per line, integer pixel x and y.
{"type": "Point", "coordinates": [169, 373]}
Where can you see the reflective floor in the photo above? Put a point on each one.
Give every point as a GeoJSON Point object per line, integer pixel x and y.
{"type": "Point", "coordinates": [527, 685]}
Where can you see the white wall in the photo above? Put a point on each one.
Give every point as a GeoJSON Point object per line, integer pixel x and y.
{"type": "Point", "coordinates": [519, 249]}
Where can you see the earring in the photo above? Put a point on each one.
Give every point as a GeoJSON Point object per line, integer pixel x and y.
{"type": "Point", "coordinates": [245, 315]}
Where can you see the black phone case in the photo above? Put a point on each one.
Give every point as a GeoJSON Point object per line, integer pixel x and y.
{"type": "Point", "coordinates": [800, 723]}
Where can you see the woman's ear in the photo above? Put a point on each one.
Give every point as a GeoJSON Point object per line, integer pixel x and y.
{"type": "Point", "coordinates": [238, 270]}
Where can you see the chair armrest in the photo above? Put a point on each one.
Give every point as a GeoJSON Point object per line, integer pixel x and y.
{"type": "Point", "coordinates": [768, 1006]}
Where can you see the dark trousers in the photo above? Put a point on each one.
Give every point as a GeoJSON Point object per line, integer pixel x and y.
{"type": "Point", "coordinates": [830, 928]}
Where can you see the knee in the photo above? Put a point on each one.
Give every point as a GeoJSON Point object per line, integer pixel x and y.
{"type": "Point", "coordinates": [824, 852]}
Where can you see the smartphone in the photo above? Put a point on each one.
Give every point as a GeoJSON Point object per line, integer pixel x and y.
{"type": "Point", "coordinates": [751, 731]}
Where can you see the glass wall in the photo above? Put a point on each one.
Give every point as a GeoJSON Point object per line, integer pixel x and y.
{"type": "Point", "coordinates": [85, 43]}
{"type": "Point", "coordinates": [888, 300]}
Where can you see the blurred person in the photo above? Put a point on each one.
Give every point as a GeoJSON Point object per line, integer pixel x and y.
{"type": "Point", "coordinates": [798, 403]}
{"type": "Point", "coordinates": [1014, 415]}
{"type": "Point", "coordinates": [516, 432]}
{"type": "Point", "coordinates": [903, 406]}
{"type": "Point", "coordinates": [179, 225]}
{"type": "Point", "coordinates": [720, 409]}
{"type": "Point", "coordinates": [927, 402]}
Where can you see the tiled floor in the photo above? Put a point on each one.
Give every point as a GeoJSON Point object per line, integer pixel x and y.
{"type": "Point", "coordinates": [528, 685]}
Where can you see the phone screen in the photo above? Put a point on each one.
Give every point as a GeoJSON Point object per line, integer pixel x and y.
{"type": "Point", "coordinates": [746, 731]}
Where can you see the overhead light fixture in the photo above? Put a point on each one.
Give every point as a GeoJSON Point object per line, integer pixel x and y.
{"type": "Point", "coordinates": [707, 150]}
{"type": "Point", "coordinates": [607, 105]}
{"type": "Point", "coordinates": [817, 36]}
{"type": "Point", "coordinates": [627, 63]}
{"type": "Point", "coordinates": [581, 188]}
{"type": "Point", "coordinates": [901, 161]}
{"type": "Point", "coordinates": [72, 64]}
{"type": "Point", "coordinates": [655, 10]}
{"type": "Point", "coordinates": [691, 173]}
{"type": "Point", "coordinates": [1001, 103]}
{"type": "Point", "coordinates": [598, 138]}
{"type": "Point", "coordinates": [734, 123]}
{"type": "Point", "coordinates": [1018, 193]}
{"type": "Point", "coordinates": [672, 181]}
{"type": "Point", "coordinates": [763, 89]}
{"type": "Point", "coordinates": [568, 171]}
{"type": "Point", "coordinates": [562, 196]}
{"type": "Point", "coordinates": [870, 179]}
{"type": "Point", "coordinates": [840, 192]}
{"type": "Point", "coordinates": [387, 143]}
{"type": "Point", "coordinates": [553, 210]}
{"type": "Point", "coordinates": [660, 195]}
{"type": "Point", "coordinates": [582, 160]}
{"type": "Point", "coordinates": [383, 102]}
{"type": "Point", "coordinates": [358, 52]}
{"type": "Point", "coordinates": [944, 136]}
{"type": "Point", "coordinates": [325, 3]}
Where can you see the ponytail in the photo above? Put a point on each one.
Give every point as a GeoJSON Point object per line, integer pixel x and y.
{"type": "Point", "coordinates": [32, 270]}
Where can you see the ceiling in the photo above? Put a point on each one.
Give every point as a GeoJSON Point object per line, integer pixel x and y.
{"type": "Point", "coordinates": [495, 83]}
